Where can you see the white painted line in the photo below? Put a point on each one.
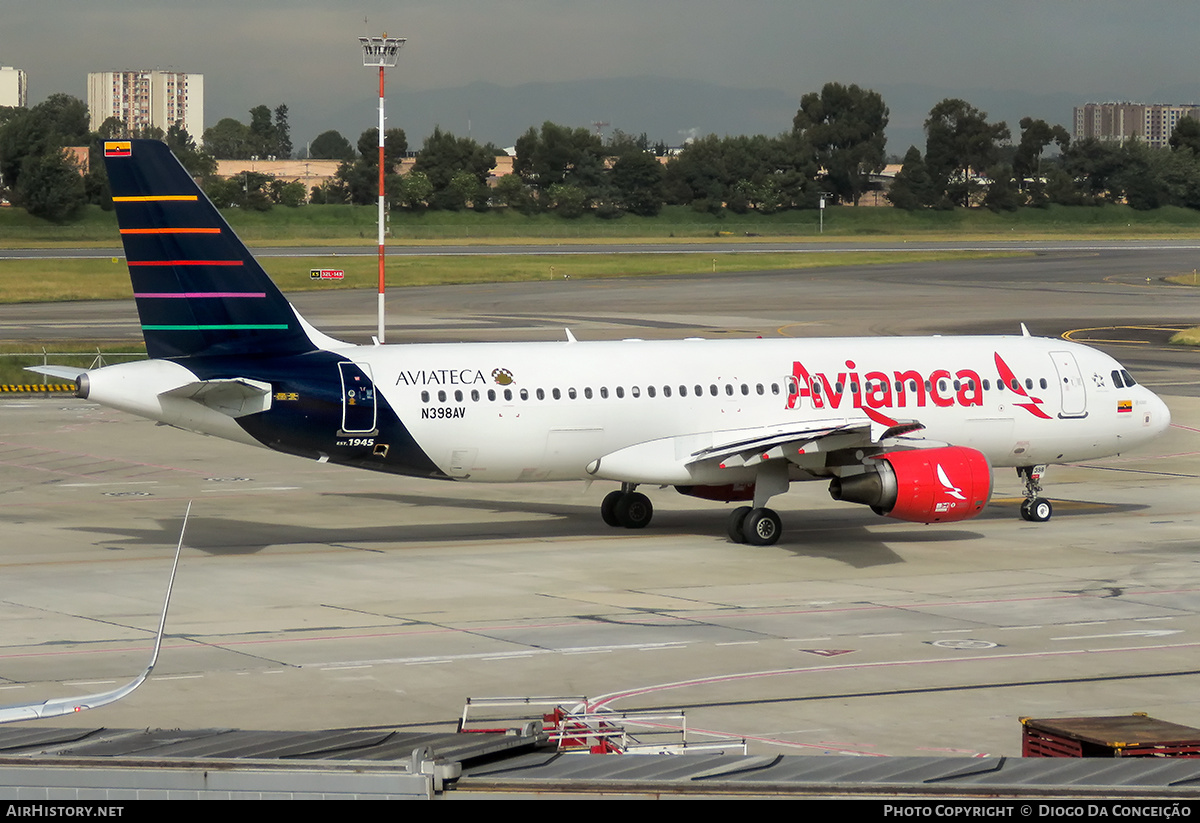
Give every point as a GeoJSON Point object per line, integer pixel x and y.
{"type": "Point", "coordinates": [117, 483]}
{"type": "Point", "coordinates": [1146, 633]}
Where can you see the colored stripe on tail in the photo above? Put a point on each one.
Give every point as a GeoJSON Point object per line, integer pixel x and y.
{"type": "Point", "coordinates": [198, 289]}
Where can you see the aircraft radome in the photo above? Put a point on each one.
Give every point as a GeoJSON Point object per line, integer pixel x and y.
{"type": "Point", "coordinates": [911, 427]}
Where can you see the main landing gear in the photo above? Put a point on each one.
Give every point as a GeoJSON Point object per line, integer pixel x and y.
{"type": "Point", "coordinates": [757, 526]}
{"type": "Point", "coordinates": [626, 508]}
{"type": "Point", "coordinates": [1034, 508]}
{"type": "Point", "coordinates": [629, 509]}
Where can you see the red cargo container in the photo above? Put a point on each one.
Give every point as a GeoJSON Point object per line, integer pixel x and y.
{"type": "Point", "coordinates": [1135, 735]}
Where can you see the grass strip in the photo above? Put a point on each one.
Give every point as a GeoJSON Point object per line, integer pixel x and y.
{"type": "Point", "coordinates": [315, 224]}
{"type": "Point", "coordinates": [37, 281]}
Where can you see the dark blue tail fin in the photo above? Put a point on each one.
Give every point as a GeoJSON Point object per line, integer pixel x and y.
{"type": "Point", "coordinates": [198, 289]}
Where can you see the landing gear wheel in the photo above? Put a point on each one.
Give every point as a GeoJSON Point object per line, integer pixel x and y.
{"type": "Point", "coordinates": [762, 527]}
{"type": "Point", "coordinates": [1036, 510]}
{"type": "Point", "coordinates": [633, 510]}
{"type": "Point", "coordinates": [608, 508]}
{"type": "Point", "coordinates": [737, 519]}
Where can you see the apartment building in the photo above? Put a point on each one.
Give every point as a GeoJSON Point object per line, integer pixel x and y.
{"type": "Point", "coordinates": [1152, 123]}
{"type": "Point", "coordinates": [141, 99]}
{"type": "Point", "coordinates": [13, 87]}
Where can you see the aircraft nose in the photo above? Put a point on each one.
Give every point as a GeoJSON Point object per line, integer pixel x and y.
{"type": "Point", "coordinates": [1162, 415]}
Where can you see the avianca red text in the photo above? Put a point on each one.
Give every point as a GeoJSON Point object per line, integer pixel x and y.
{"type": "Point", "coordinates": [881, 390]}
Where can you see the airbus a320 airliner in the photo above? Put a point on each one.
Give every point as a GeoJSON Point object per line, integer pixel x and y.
{"type": "Point", "coordinates": [911, 427]}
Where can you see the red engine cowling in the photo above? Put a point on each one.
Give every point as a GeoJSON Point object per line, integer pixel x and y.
{"type": "Point", "coordinates": [921, 485]}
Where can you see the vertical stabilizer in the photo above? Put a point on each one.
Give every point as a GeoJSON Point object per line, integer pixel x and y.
{"type": "Point", "coordinates": [198, 289]}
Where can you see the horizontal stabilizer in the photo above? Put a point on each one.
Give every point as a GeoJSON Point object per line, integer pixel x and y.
{"type": "Point", "coordinates": [64, 372]}
{"type": "Point", "coordinates": [236, 397]}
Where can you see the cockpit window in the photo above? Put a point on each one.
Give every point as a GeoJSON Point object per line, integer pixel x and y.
{"type": "Point", "coordinates": [1129, 381]}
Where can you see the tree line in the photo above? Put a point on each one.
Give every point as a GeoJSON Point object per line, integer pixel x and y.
{"type": "Point", "coordinates": [834, 149]}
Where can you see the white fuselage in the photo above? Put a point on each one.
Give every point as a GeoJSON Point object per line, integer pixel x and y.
{"type": "Point", "coordinates": [539, 411]}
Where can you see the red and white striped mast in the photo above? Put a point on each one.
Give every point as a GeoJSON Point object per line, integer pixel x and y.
{"type": "Point", "coordinates": [381, 52]}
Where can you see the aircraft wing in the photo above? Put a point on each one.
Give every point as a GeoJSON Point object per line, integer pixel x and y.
{"type": "Point", "coordinates": [757, 448]}
{"type": "Point", "coordinates": [685, 459]}
{"type": "Point", "coordinates": [69, 705]}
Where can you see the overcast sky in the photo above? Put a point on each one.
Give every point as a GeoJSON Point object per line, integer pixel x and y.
{"type": "Point", "coordinates": [305, 53]}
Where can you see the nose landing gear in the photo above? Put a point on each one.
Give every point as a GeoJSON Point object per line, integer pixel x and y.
{"type": "Point", "coordinates": [1034, 508]}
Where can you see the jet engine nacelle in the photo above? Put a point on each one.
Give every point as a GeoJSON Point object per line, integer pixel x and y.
{"type": "Point", "coordinates": [921, 485]}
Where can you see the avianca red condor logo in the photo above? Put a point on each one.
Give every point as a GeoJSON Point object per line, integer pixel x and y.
{"type": "Point", "coordinates": [1034, 406]}
{"type": "Point", "coordinates": [908, 389]}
